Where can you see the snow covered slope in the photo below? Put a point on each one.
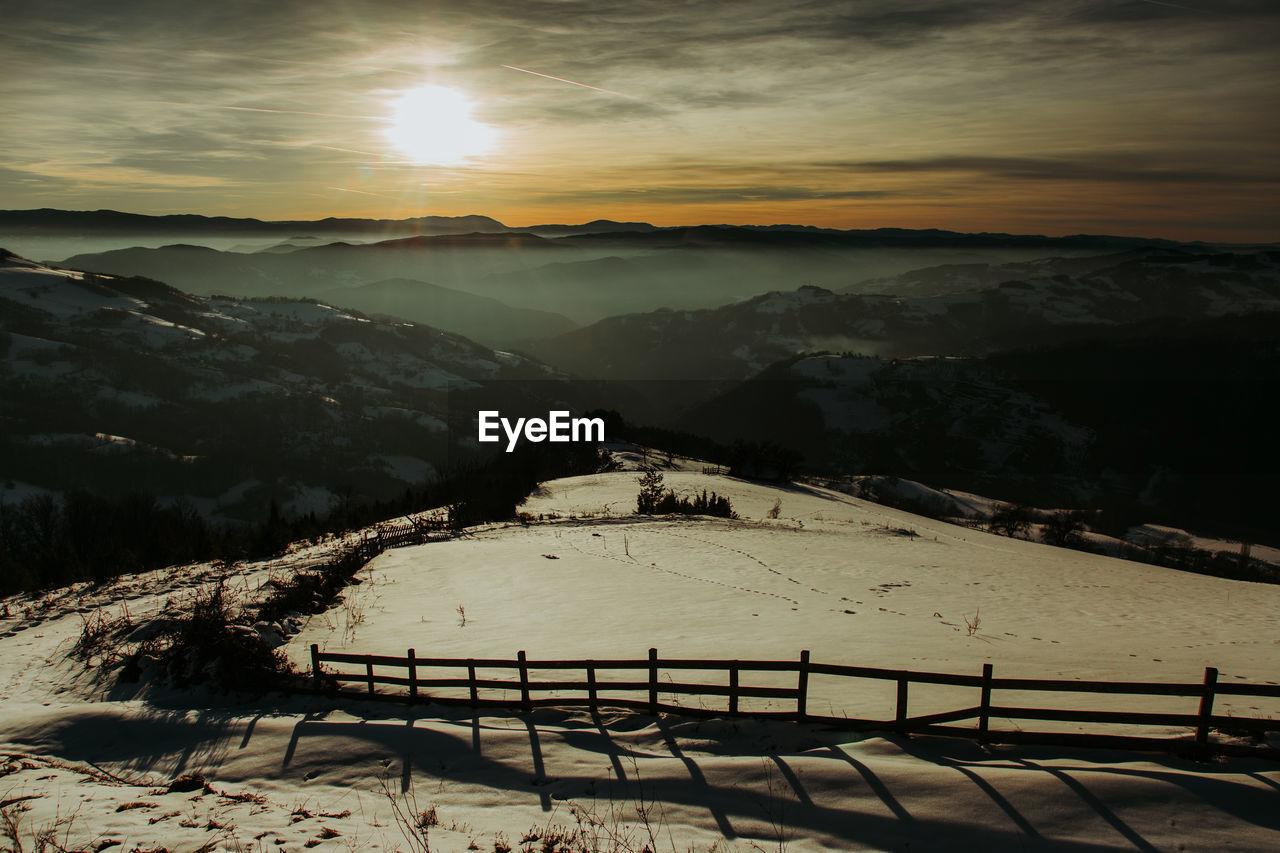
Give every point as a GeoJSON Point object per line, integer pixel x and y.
{"type": "Point", "coordinates": [854, 582]}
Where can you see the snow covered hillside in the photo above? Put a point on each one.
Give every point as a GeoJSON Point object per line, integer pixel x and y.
{"type": "Point", "coordinates": [853, 582]}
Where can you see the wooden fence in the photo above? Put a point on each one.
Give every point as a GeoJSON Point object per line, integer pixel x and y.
{"type": "Point", "coordinates": [399, 534]}
{"type": "Point", "coordinates": [593, 692]}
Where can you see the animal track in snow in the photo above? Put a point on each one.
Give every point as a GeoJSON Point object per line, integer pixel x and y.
{"type": "Point", "coordinates": [746, 554]}
{"type": "Point", "coordinates": [656, 567]}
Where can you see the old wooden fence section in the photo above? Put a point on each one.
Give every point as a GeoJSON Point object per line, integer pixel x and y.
{"type": "Point", "coordinates": [399, 533]}
{"type": "Point", "coordinates": [655, 681]}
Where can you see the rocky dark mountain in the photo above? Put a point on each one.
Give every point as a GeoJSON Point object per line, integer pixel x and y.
{"type": "Point", "coordinates": [124, 385]}
{"type": "Point", "coordinates": [1174, 424]}
{"type": "Point", "coordinates": [949, 420]}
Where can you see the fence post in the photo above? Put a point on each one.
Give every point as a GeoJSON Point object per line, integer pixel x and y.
{"type": "Point", "coordinates": [984, 707]}
{"type": "Point", "coordinates": [413, 676]}
{"type": "Point", "coordinates": [802, 688]}
{"type": "Point", "coordinates": [524, 682]}
{"type": "Point", "coordinates": [653, 682]}
{"type": "Point", "coordinates": [315, 663]}
{"type": "Point", "coordinates": [900, 715]}
{"type": "Point", "coordinates": [369, 672]}
{"type": "Point", "coordinates": [591, 688]}
{"type": "Point", "coordinates": [733, 688]}
{"type": "Point", "coordinates": [471, 683]}
{"type": "Point", "coordinates": [1206, 705]}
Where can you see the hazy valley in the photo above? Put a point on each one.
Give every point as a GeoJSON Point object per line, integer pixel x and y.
{"type": "Point", "coordinates": [1044, 369]}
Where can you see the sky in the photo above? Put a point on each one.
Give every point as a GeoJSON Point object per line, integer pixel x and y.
{"type": "Point", "coordinates": [1080, 116]}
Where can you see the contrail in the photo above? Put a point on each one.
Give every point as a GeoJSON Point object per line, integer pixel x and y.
{"type": "Point", "coordinates": [348, 150]}
{"type": "Point", "coordinates": [368, 67]}
{"type": "Point", "coordinates": [1172, 5]}
{"type": "Point", "coordinates": [296, 112]}
{"type": "Point", "coordinates": [571, 82]}
{"type": "Point", "coordinates": [362, 192]}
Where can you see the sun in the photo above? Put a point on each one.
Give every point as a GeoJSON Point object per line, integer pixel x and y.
{"type": "Point", "coordinates": [433, 126]}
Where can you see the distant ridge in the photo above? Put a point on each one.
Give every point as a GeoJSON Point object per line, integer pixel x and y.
{"type": "Point", "coordinates": [47, 220]}
{"type": "Point", "coordinates": [796, 236]}
{"type": "Point", "coordinates": [595, 226]}
{"type": "Point", "coordinates": [478, 239]}
{"type": "Point", "coordinates": [51, 221]}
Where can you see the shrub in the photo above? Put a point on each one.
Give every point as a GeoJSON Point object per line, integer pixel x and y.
{"type": "Point", "coordinates": [650, 492]}
{"type": "Point", "coordinates": [1010, 520]}
{"type": "Point", "coordinates": [310, 591]}
{"type": "Point", "coordinates": [206, 645]}
{"type": "Point", "coordinates": [1063, 529]}
{"type": "Point", "coordinates": [652, 500]}
{"type": "Point", "coordinates": [99, 633]}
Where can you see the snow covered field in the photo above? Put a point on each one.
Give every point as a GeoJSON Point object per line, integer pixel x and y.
{"type": "Point", "coordinates": [855, 583]}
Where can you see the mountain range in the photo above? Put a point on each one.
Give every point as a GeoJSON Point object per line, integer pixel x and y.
{"type": "Point", "coordinates": [968, 310]}
{"type": "Point", "coordinates": [1081, 369]}
{"type": "Point", "coordinates": [587, 277]}
{"type": "Point", "coordinates": [123, 385]}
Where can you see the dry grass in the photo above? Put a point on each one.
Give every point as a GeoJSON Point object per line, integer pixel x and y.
{"type": "Point", "coordinates": [102, 635]}
{"type": "Point", "coordinates": [971, 626]}
{"type": "Point", "coordinates": [54, 837]}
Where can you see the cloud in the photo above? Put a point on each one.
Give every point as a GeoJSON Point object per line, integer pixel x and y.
{"type": "Point", "coordinates": [1131, 167]}
{"type": "Point", "coordinates": [751, 100]}
{"type": "Point", "coordinates": [588, 108]}
{"type": "Point", "coordinates": [25, 180]}
{"type": "Point", "coordinates": [1193, 12]}
{"type": "Point", "coordinates": [714, 195]}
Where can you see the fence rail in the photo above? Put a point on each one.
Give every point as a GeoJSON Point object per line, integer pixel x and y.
{"type": "Point", "coordinates": [399, 534]}
{"type": "Point", "coordinates": [593, 692]}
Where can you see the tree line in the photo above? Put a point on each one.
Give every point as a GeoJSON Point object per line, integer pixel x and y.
{"type": "Point", "coordinates": [48, 541]}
